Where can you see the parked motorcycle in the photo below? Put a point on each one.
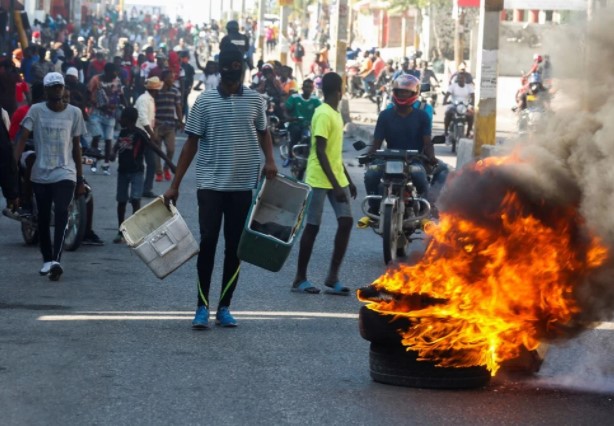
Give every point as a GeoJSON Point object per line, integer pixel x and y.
{"type": "Point", "coordinates": [458, 123]}
{"type": "Point", "coordinates": [300, 152]}
{"type": "Point", "coordinates": [279, 133]}
{"type": "Point", "coordinates": [401, 211]}
{"type": "Point", "coordinates": [77, 219]}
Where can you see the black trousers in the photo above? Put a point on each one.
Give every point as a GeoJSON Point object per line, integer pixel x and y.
{"type": "Point", "coordinates": [60, 194]}
{"type": "Point", "coordinates": [233, 207]}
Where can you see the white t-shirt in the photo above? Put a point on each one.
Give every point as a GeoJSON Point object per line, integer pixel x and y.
{"type": "Point", "coordinates": [53, 141]}
{"type": "Point", "coordinates": [461, 94]}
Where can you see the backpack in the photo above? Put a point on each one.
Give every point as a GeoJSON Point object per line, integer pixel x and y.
{"type": "Point", "coordinates": [299, 52]}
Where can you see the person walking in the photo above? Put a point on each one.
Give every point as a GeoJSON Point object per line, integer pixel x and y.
{"type": "Point", "coordinates": [168, 121]}
{"type": "Point", "coordinates": [227, 129]}
{"type": "Point", "coordinates": [297, 50]}
{"type": "Point", "coordinates": [106, 98]}
{"type": "Point", "coordinates": [146, 107]}
{"type": "Point", "coordinates": [57, 175]}
{"type": "Point", "coordinates": [129, 148]}
{"type": "Point", "coordinates": [328, 177]}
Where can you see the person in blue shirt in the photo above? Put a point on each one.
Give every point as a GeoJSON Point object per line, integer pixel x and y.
{"type": "Point", "coordinates": [408, 67]}
{"type": "Point", "coordinates": [403, 127]}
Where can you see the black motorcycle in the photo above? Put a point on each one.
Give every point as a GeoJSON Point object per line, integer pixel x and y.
{"type": "Point", "coordinates": [77, 218]}
{"type": "Point", "coordinates": [402, 211]}
{"type": "Point", "coordinates": [279, 132]}
{"type": "Point", "coordinates": [300, 152]}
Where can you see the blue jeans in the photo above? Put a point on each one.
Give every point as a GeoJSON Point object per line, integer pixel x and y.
{"type": "Point", "coordinates": [373, 177]}
{"type": "Point", "coordinates": [366, 80]}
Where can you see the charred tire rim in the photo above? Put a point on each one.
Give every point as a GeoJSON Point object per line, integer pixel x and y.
{"type": "Point", "coordinates": [393, 365]}
{"type": "Point", "coordinates": [77, 223]}
{"type": "Point", "coordinates": [29, 232]}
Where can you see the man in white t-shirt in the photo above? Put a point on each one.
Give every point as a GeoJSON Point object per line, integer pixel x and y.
{"type": "Point", "coordinates": [460, 92]}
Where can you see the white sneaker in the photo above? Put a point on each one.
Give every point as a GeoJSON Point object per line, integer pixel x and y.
{"type": "Point", "coordinates": [46, 268]}
{"type": "Point", "coordinates": [105, 169]}
{"type": "Point", "coordinates": [55, 271]}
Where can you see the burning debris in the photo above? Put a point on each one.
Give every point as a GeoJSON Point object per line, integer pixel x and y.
{"type": "Point", "coordinates": [522, 251]}
{"type": "Point", "coordinates": [500, 274]}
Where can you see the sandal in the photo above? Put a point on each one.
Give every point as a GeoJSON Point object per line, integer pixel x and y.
{"type": "Point", "coordinates": [305, 287]}
{"type": "Point", "coordinates": [337, 289]}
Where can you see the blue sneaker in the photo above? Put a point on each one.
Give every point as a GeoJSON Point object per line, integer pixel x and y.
{"type": "Point", "coordinates": [224, 318]}
{"type": "Point", "coordinates": [201, 319]}
{"type": "Point", "coordinates": [287, 162]}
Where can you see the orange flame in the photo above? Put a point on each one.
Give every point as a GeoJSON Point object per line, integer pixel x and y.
{"type": "Point", "coordinates": [491, 289]}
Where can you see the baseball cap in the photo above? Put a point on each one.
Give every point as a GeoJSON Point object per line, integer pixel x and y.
{"type": "Point", "coordinates": [53, 79]}
{"type": "Point", "coordinates": [72, 71]}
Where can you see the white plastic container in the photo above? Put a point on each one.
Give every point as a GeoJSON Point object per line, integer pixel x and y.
{"type": "Point", "coordinates": [160, 237]}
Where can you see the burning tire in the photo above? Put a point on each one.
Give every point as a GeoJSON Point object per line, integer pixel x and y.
{"type": "Point", "coordinates": [381, 329]}
{"type": "Point", "coordinates": [394, 365]}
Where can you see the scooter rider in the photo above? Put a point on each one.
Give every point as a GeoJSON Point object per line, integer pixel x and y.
{"type": "Point", "coordinates": [300, 109]}
{"type": "Point", "coordinates": [402, 127]}
{"type": "Point", "coordinates": [460, 92]}
{"type": "Point", "coordinates": [535, 94]}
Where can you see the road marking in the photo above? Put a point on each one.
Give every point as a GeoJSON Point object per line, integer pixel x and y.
{"type": "Point", "coordinates": [183, 315]}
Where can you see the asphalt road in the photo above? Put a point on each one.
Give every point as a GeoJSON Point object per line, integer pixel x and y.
{"type": "Point", "coordinates": [111, 344]}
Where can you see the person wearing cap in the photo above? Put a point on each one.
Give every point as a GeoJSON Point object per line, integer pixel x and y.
{"type": "Point", "coordinates": [146, 107]}
{"type": "Point", "coordinates": [234, 37]}
{"type": "Point", "coordinates": [462, 69]}
{"type": "Point", "coordinates": [161, 65]}
{"type": "Point", "coordinates": [57, 174]}
{"type": "Point", "coordinates": [231, 116]}
{"type": "Point", "coordinates": [78, 90]}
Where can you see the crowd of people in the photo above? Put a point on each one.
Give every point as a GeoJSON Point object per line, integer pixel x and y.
{"type": "Point", "coordinates": [118, 91]}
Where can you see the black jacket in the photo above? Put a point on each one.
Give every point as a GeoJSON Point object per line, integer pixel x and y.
{"type": "Point", "coordinates": [8, 166]}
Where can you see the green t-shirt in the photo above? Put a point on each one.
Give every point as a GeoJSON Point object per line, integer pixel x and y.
{"type": "Point", "coordinates": [328, 124]}
{"type": "Point", "coordinates": [298, 106]}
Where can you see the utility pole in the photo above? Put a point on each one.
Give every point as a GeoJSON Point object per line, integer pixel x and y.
{"type": "Point", "coordinates": [488, 62]}
{"type": "Point", "coordinates": [459, 36]}
{"type": "Point", "coordinates": [260, 28]}
{"type": "Point", "coordinates": [339, 32]}
{"type": "Point", "coordinates": [283, 27]}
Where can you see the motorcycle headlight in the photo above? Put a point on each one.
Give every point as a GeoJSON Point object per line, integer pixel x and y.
{"type": "Point", "coordinates": [394, 167]}
{"type": "Point", "coordinates": [461, 109]}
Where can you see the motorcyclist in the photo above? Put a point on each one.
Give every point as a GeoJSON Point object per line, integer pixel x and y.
{"type": "Point", "coordinates": [408, 66]}
{"type": "Point", "coordinates": [536, 66]}
{"type": "Point", "coordinates": [385, 77]}
{"type": "Point", "coordinates": [462, 69]}
{"type": "Point", "coordinates": [427, 76]}
{"type": "Point", "coordinates": [402, 127]}
{"type": "Point", "coordinates": [300, 109]}
{"type": "Point", "coordinates": [460, 91]}
{"type": "Point", "coordinates": [367, 73]}
{"type": "Point", "coordinates": [536, 94]}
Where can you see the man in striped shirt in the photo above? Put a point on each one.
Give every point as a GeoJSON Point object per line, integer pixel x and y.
{"type": "Point", "coordinates": [226, 129]}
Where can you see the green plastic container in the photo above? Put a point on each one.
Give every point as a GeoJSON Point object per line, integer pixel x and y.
{"type": "Point", "coordinates": [274, 222]}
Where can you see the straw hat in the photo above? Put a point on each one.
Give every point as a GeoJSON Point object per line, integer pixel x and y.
{"type": "Point", "coordinates": [153, 83]}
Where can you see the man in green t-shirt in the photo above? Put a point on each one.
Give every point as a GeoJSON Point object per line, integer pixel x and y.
{"type": "Point", "coordinates": [328, 177]}
{"type": "Point", "coordinates": [300, 109]}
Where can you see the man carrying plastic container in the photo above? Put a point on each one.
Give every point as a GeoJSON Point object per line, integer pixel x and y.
{"type": "Point", "coordinates": [328, 177]}
{"type": "Point", "coordinates": [231, 116]}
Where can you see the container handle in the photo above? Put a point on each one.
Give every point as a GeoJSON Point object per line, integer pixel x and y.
{"type": "Point", "coordinates": [168, 248]}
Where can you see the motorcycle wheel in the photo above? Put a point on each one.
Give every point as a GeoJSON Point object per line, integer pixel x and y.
{"type": "Point", "coordinates": [77, 223]}
{"type": "Point", "coordinates": [29, 232]}
{"type": "Point", "coordinates": [283, 151]}
{"type": "Point", "coordinates": [390, 234]}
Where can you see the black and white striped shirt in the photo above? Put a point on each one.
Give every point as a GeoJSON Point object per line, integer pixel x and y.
{"type": "Point", "coordinates": [229, 155]}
